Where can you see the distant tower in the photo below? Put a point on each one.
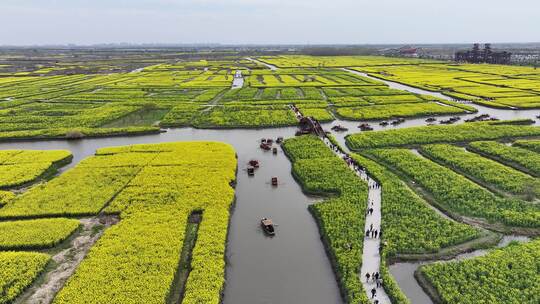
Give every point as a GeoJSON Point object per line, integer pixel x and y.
{"type": "Point", "coordinates": [488, 53]}
{"type": "Point", "coordinates": [476, 53]}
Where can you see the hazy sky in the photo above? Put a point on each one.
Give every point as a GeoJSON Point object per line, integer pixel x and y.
{"type": "Point", "coordinates": [28, 22]}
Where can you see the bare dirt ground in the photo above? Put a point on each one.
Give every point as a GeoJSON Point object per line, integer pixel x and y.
{"type": "Point", "coordinates": [66, 261]}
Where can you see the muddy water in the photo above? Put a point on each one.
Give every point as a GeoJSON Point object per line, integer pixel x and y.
{"type": "Point", "coordinates": [291, 267]}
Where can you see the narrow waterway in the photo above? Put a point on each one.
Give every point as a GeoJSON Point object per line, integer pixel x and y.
{"type": "Point", "coordinates": [502, 114]}
{"type": "Point", "coordinates": [403, 273]}
{"type": "Point", "coordinates": [291, 267]}
{"type": "Point", "coordinates": [238, 80]}
{"type": "Point", "coordinates": [270, 66]}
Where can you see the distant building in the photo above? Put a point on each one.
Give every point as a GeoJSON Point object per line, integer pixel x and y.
{"type": "Point", "coordinates": [404, 51]}
{"type": "Point", "coordinates": [476, 55]}
{"type": "Point", "coordinates": [408, 51]}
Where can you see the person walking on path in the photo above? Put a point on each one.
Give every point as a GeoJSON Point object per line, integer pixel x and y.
{"type": "Point", "coordinates": [373, 293]}
{"type": "Point", "coordinates": [367, 276]}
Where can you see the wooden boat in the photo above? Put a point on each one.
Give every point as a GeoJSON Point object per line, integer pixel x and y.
{"type": "Point", "coordinates": [251, 171]}
{"type": "Point", "coordinates": [431, 119]}
{"type": "Point", "coordinates": [383, 123]}
{"type": "Point", "coordinates": [339, 128]}
{"type": "Point", "coordinates": [450, 120]}
{"type": "Point", "coordinates": [397, 121]}
{"type": "Point", "coordinates": [274, 181]}
{"type": "Point", "coordinates": [268, 226]}
{"type": "Point", "coordinates": [265, 146]}
{"type": "Point", "coordinates": [365, 127]}
{"type": "Point", "coordinates": [483, 117]}
{"type": "Point", "coordinates": [446, 122]}
{"type": "Point", "coordinates": [274, 150]}
{"type": "Point", "coordinates": [279, 140]}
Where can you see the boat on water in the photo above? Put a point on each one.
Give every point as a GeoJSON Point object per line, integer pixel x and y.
{"type": "Point", "coordinates": [268, 226]}
{"type": "Point", "coordinates": [339, 128]}
{"type": "Point", "coordinates": [265, 147]}
{"type": "Point", "coordinates": [397, 121]}
{"type": "Point", "coordinates": [365, 127]}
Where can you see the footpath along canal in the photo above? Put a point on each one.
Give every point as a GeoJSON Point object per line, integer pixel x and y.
{"type": "Point", "coordinates": [371, 257]}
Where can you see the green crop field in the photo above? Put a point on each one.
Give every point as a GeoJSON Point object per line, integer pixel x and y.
{"type": "Point", "coordinates": [18, 167]}
{"type": "Point", "coordinates": [18, 270]}
{"type": "Point", "coordinates": [158, 226]}
{"type": "Point", "coordinates": [150, 235]}
{"type": "Point", "coordinates": [57, 102]}
{"type": "Point", "coordinates": [508, 275]}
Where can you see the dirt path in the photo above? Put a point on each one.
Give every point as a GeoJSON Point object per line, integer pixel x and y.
{"type": "Point", "coordinates": [214, 101]}
{"type": "Point", "coordinates": [66, 261]}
